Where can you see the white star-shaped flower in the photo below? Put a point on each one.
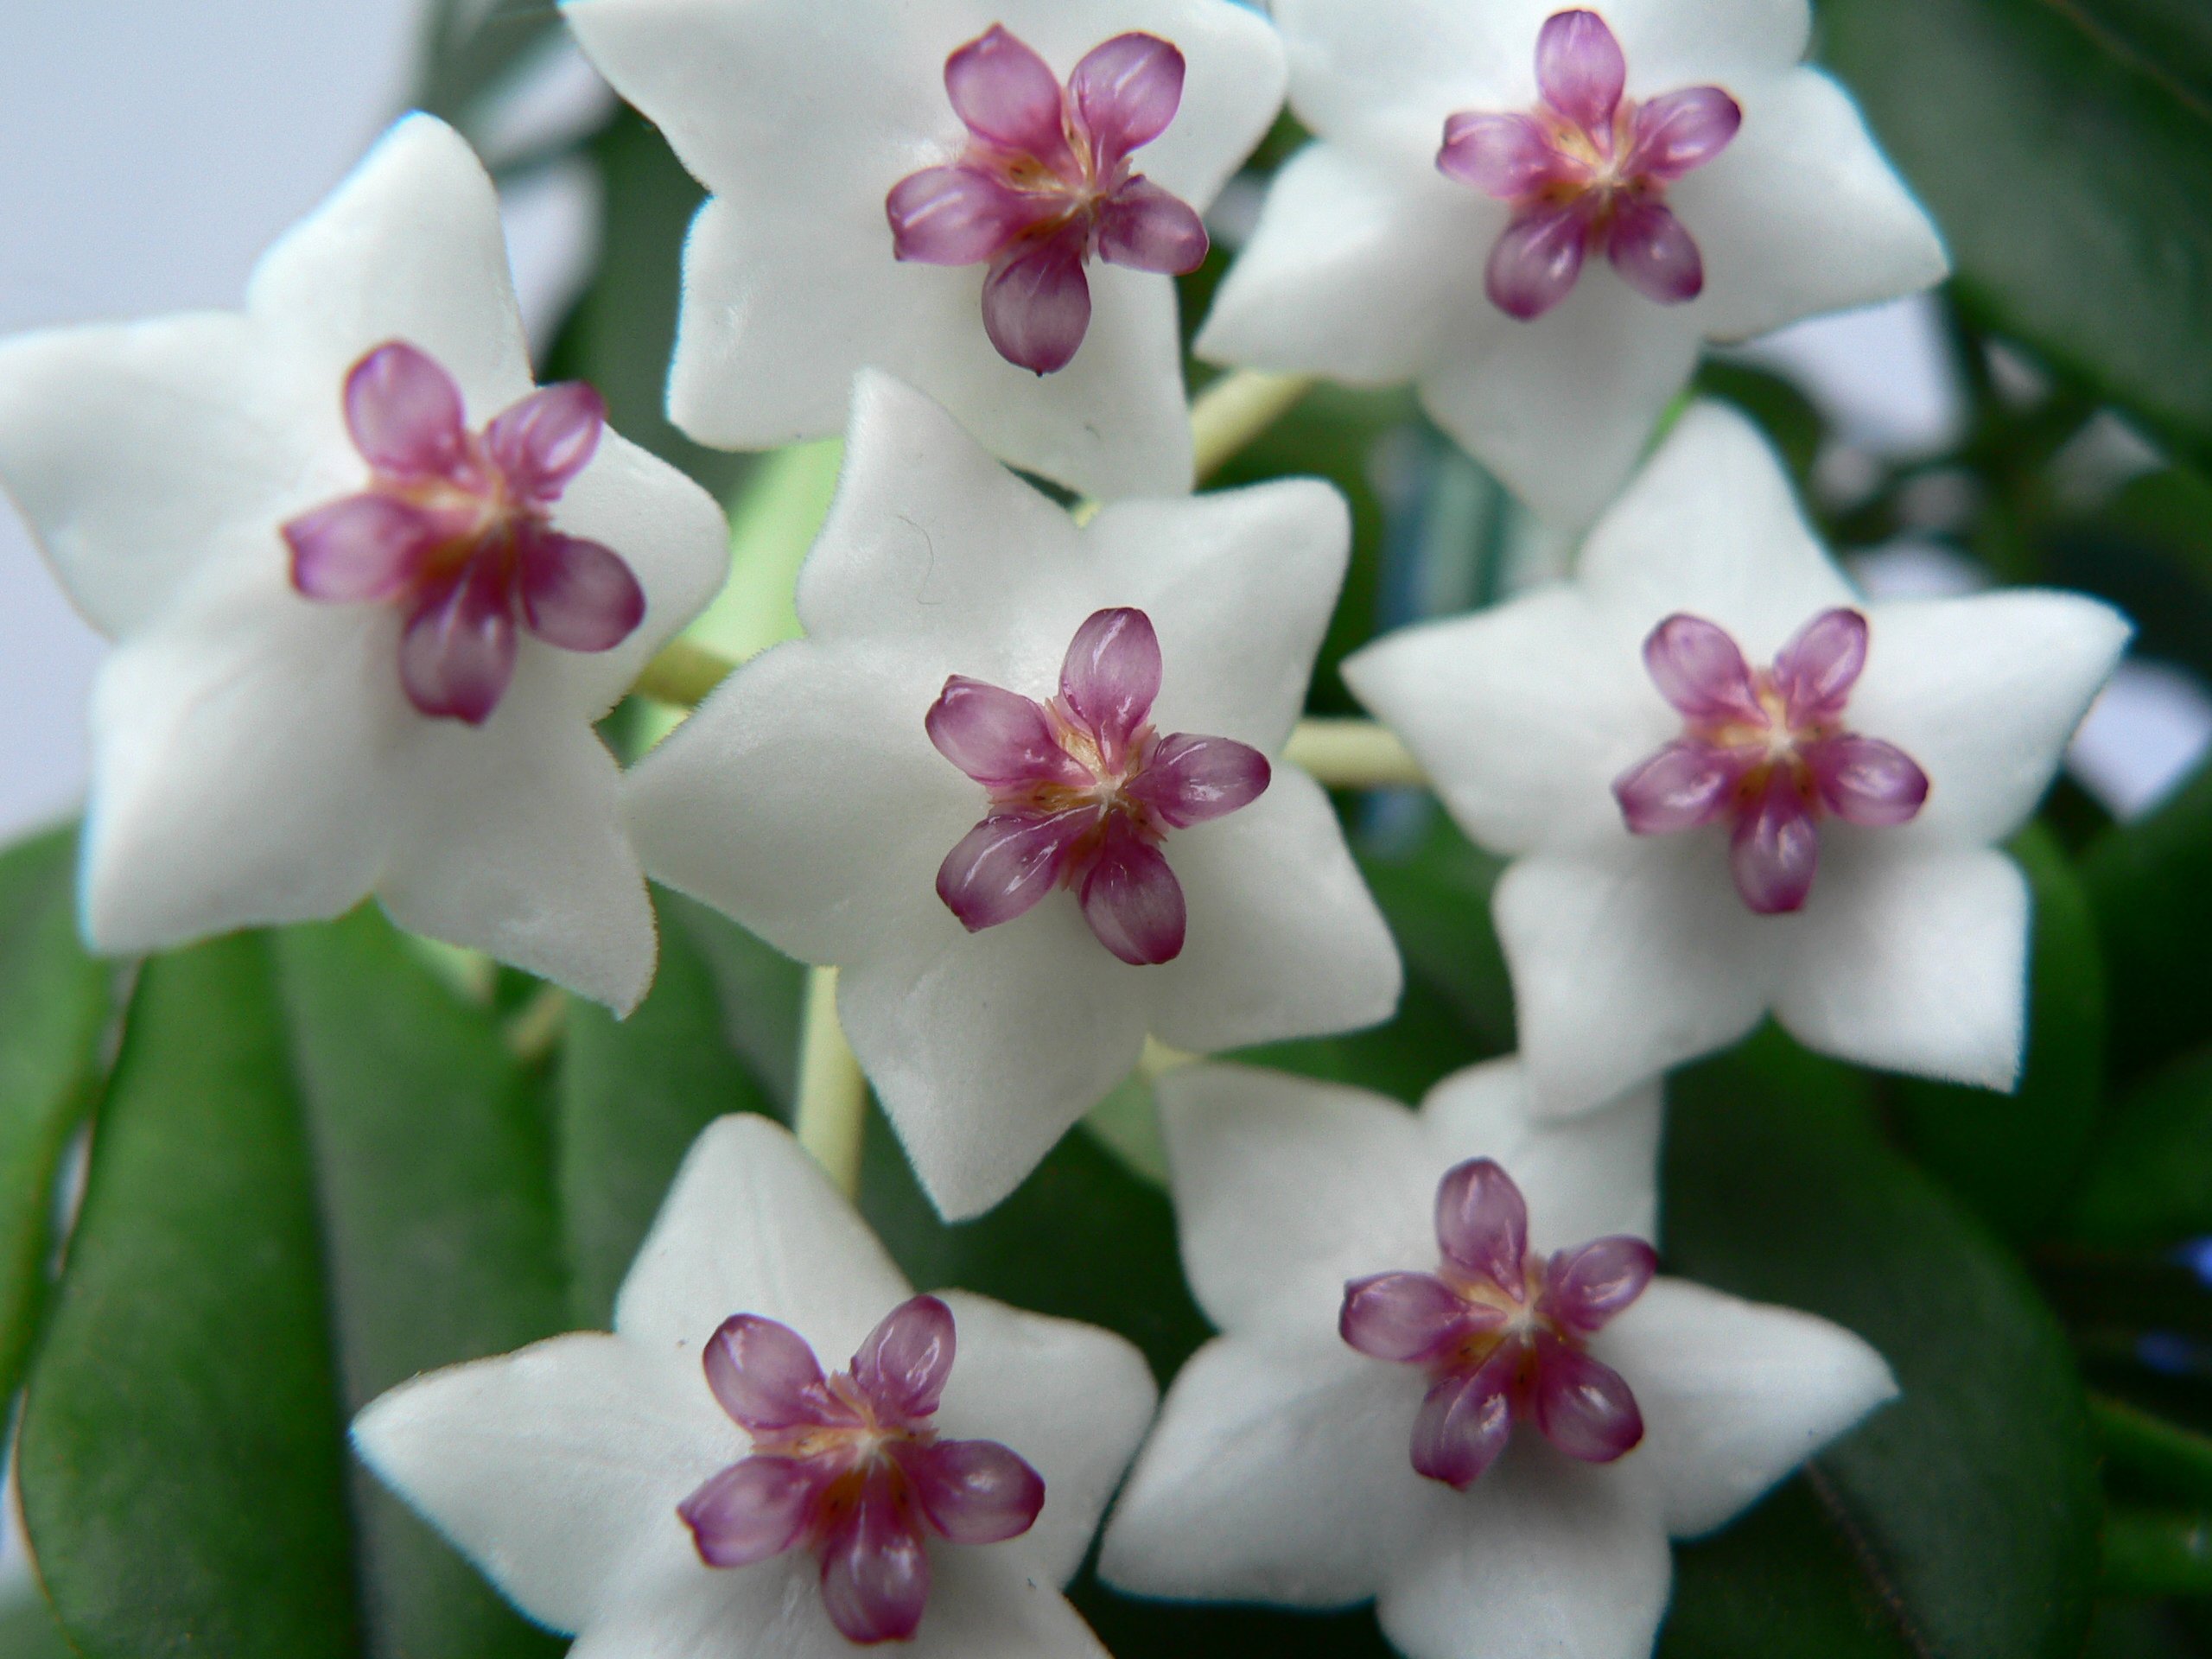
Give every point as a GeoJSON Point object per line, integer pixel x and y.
{"type": "Point", "coordinates": [707, 1482]}
{"type": "Point", "coordinates": [1732, 787]}
{"type": "Point", "coordinates": [1448, 1380]}
{"type": "Point", "coordinates": [982, 197]}
{"type": "Point", "coordinates": [1015, 785]}
{"type": "Point", "coordinates": [1540, 215]}
{"type": "Point", "coordinates": [369, 591]}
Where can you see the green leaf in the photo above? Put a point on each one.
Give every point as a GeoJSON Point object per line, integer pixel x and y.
{"type": "Point", "coordinates": [2096, 248]}
{"type": "Point", "coordinates": [183, 1457]}
{"type": "Point", "coordinates": [2150, 885]}
{"type": "Point", "coordinates": [28, 1629]}
{"type": "Point", "coordinates": [55, 1006]}
{"type": "Point", "coordinates": [1973, 1499]}
{"type": "Point", "coordinates": [2150, 1181]}
{"type": "Point", "coordinates": [1163, 1629]}
{"type": "Point", "coordinates": [2171, 38]}
{"type": "Point", "coordinates": [763, 992]}
{"type": "Point", "coordinates": [436, 1185]}
{"type": "Point", "coordinates": [634, 1094]}
{"type": "Point", "coordinates": [472, 49]}
{"type": "Point", "coordinates": [1436, 897]}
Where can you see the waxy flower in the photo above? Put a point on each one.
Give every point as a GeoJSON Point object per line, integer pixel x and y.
{"type": "Point", "coordinates": [1448, 1380]}
{"type": "Point", "coordinates": [1700, 842]}
{"type": "Point", "coordinates": [369, 591]}
{"type": "Point", "coordinates": [984, 200]}
{"type": "Point", "coordinates": [1015, 785]}
{"type": "Point", "coordinates": [1541, 213]}
{"type": "Point", "coordinates": [697, 1483]}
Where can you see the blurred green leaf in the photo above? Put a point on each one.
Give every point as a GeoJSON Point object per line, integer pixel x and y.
{"type": "Point", "coordinates": [182, 1456]}
{"type": "Point", "coordinates": [2156, 1552]}
{"type": "Point", "coordinates": [1973, 1500]}
{"type": "Point", "coordinates": [2149, 1183]}
{"type": "Point", "coordinates": [763, 992]}
{"type": "Point", "coordinates": [2150, 885]}
{"type": "Point", "coordinates": [2169, 38]}
{"type": "Point", "coordinates": [473, 48]}
{"type": "Point", "coordinates": [439, 1232]}
{"type": "Point", "coordinates": [2136, 1629]}
{"type": "Point", "coordinates": [1783, 411]}
{"type": "Point", "coordinates": [2147, 549]}
{"type": "Point", "coordinates": [1163, 1629]}
{"type": "Point", "coordinates": [28, 1629]}
{"type": "Point", "coordinates": [1436, 897]}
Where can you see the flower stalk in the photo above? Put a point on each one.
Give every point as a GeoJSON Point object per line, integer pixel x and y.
{"type": "Point", "coordinates": [831, 1115]}
{"type": "Point", "coordinates": [1230, 414]}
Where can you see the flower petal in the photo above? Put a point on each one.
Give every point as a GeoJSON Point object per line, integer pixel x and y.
{"type": "Point", "coordinates": [1537, 259]}
{"type": "Point", "coordinates": [457, 655]}
{"type": "Point", "coordinates": [875, 1573]}
{"type": "Point", "coordinates": [1007, 94]}
{"type": "Point", "coordinates": [1133, 901]}
{"type": "Point", "coordinates": [1679, 132]}
{"type": "Point", "coordinates": [1506, 157]}
{"type": "Point", "coordinates": [1482, 1223]}
{"type": "Point", "coordinates": [1466, 1420]}
{"type": "Point", "coordinates": [1686, 785]}
{"type": "Point", "coordinates": [1581, 69]}
{"type": "Point", "coordinates": [975, 1491]}
{"type": "Point", "coordinates": [1865, 781]}
{"type": "Point", "coordinates": [405, 412]}
{"type": "Point", "coordinates": [1582, 1405]}
{"type": "Point", "coordinates": [1815, 671]}
{"type": "Point", "coordinates": [1588, 1286]}
{"type": "Point", "coordinates": [1655, 254]}
{"type": "Point", "coordinates": [1007, 864]}
{"type": "Point", "coordinates": [957, 216]}
{"type": "Point", "coordinates": [1401, 1316]}
{"type": "Point", "coordinates": [1701, 670]}
{"type": "Point", "coordinates": [1110, 676]}
{"type": "Point", "coordinates": [545, 441]}
{"type": "Point", "coordinates": [1037, 302]}
{"type": "Point", "coordinates": [765, 1376]}
{"type": "Point", "coordinates": [1144, 228]}
{"type": "Point", "coordinates": [362, 547]}
{"type": "Point", "coordinates": [578, 594]}
{"type": "Point", "coordinates": [1127, 92]}
{"type": "Point", "coordinates": [999, 737]}
{"type": "Point", "coordinates": [1191, 780]}
{"type": "Point", "coordinates": [904, 1363]}
{"type": "Point", "coordinates": [1776, 849]}
{"type": "Point", "coordinates": [751, 1510]}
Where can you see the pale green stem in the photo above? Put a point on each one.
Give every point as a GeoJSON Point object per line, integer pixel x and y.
{"type": "Point", "coordinates": [832, 1111]}
{"type": "Point", "coordinates": [1353, 754]}
{"type": "Point", "coordinates": [1236, 409]}
{"type": "Point", "coordinates": [535, 1029]}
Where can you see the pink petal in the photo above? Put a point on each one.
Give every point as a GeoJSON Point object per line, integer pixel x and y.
{"type": "Point", "coordinates": [904, 1364]}
{"type": "Point", "coordinates": [1009, 95]}
{"type": "Point", "coordinates": [998, 738]}
{"type": "Point", "coordinates": [1126, 93]}
{"type": "Point", "coordinates": [1582, 1406]}
{"type": "Point", "coordinates": [875, 1574]}
{"type": "Point", "coordinates": [1655, 255]}
{"type": "Point", "coordinates": [545, 441]}
{"type": "Point", "coordinates": [1403, 1316]}
{"type": "Point", "coordinates": [765, 1376]}
{"type": "Point", "coordinates": [1189, 779]}
{"type": "Point", "coordinates": [1007, 864]}
{"type": "Point", "coordinates": [405, 412]}
{"type": "Point", "coordinates": [1775, 849]}
{"type": "Point", "coordinates": [362, 547]}
{"type": "Point", "coordinates": [959, 216]}
{"type": "Point", "coordinates": [1699, 668]}
{"type": "Point", "coordinates": [1815, 671]}
{"type": "Point", "coordinates": [1110, 678]}
{"type": "Point", "coordinates": [974, 1491]}
{"type": "Point", "coordinates": [1466, 1421]}
{"type": "Point", "coordinates": [1037, 302]}
{"type": "Point", "coordinates": [1142, 227]}
{"type": "Point", "coordinates": [1680, 132]}
{"type": "Point", "coordinates": [751, 1510]}
{"type": "Point", "coordinates": [1507, 157]}
{"type": "Point", "coordinates": [457, 654]}
{"type": "Point", "coordinates": [1687, 784]}
{"type": "Point", "coordinates": [1581, 69]}
{"type": "Point", "coordinates": [1588, 1286]}
{"type": "Point", "coordinates": [577, 594]}
{"type": "Point", "coordinates": [1482, 1223]}
{"type": "Point", "coordinates": [1131, 900]}
{"type": "Point", "coordinates": [1865, 781]}
{"type": "Point", "coordinates": [1537, 259]}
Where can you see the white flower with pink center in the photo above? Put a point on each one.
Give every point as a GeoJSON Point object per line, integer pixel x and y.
{"type": "Point", "coordinates": [1540, 215]}
{"type": "Point", "coordinates": [369, 589]}
{"type": "Point", "coordinates": [1494, 1450]}
{"type": "Point", "coordinates": [1015, 784]}
{"type": "Point", "coordinates": [987, 200]}
{"type": "Point", "coordinates": [697, 1483]}
{"type": "Point", "coordinates": [1699, 842]}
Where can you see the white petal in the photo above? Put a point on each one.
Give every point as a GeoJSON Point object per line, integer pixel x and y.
{"type": "Point", "coordinates": [1523, 715]}
{"type": "Point", "coordinates": [556, 1470]}
{"type": "Point", "coordinates": [1548, 1559]}
{"type": "Point", "coordinates": [1912, 960]}
{"type": "Point", "coordinates": [1281, 1471]}
{"type": "Point", "coordinates": [1802, 178]}
{"type": "Point", "coordinates": [1623, 966]}
{"type": "Point", "coordinates": [1734, 1394]}
{"type": "Point", "coordinates": [1284, 940]}
{"type": "Point", "coordinates": [1984, 693]}
{"type": "Point", "coordinates": [1071, 1398]}
{"type": "Point", "coordinates": [752, 1225]}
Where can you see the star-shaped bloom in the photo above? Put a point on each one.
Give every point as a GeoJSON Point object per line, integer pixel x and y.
{"type": "Point", "coordinates": [1540, 215]}
{"type": "Point", "coordinates": [1698, 840]}
{"type": "Point", "coordinates": [1015, 785]}
{"type": "Point", "coordinates": [982, 199]}
{"type": "Point", "coordinates": [1448, 1380]}
{"type": "Point", "coordinates": [369, 591]}
{"type": "Point", "coordinates": [707, 1482]}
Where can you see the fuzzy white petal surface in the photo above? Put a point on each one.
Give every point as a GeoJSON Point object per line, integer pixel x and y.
{"type": "Point", "coordinates": [1586, 1177]}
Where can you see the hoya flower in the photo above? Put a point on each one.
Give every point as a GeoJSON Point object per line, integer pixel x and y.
{"type": "Point", "coordinates": [1016, 784]}
{"type": "Point", "coordinates": [1540, 215]}
{"type": "Point", "coordinates": [717, 1478]}
{"type": "Point", "coordinates": [1448, 1379]}
{"type": "Point", "coordinates": [1731, 786]}
{"type": "Point", "coordinates": [987, 200]}
{"type": "Point", "coordinates": [369, 591]}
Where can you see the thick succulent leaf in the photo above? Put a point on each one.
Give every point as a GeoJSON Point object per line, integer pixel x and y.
{"type": "Point", "coordinates": [2149, 1183]}
{"type": "Point", "coordinates": [2150, 885]}
{"type": "Point", "coordinates": [27, 1629]}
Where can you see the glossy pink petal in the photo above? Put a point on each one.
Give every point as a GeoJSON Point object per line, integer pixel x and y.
{"type": "Point", "coordinates": [958, 216]}
{"type": "Point", "coordinates": [1142, 227]}
{"type": "Point", "coordinates": [360, 547]}
{"type": "Point", "coordinates": [1403, 1316]}
{"type": "Point", "coordinates": [765, 1374]}
{"type": "Point", "coordinates": [1586, 1287]}
{"type": "Point", "coordinates": [1815, 671]}
{"type": "Point", "coordinates": [1655, 254]}
{"type": "Point", "coordinates": [1482, 1223]}
{"type": "Point", "coordinates": [875, 1574]}
{"type": "Point", "coordinates": [1466, 1421]}
{"type": "Point", "coordinates": [457, 654]}
{"type": "Point", "coordinates": [1582, 1406]}
{"type": "Point", "coordinates": [1537, 259]}
{"type": "Point", "coordinates": [1127, 92]}
{"type": "Point", "coordinates": [1110, 676]}
{"type": "Point", "coordinates": [1037, 301]}
{"type": "Point", "coordinates": [1865, 781]}
{"type": "Point", "coordinates": [1699, 668]}
{"type": "Point", "coordinates": [1507, 157]}
{"type": "Point", "coordinates": [1189, 779]}
{"type": "Point", "coordinates": [751, 1510]}
{"type": "Point", "coordinates": [545, 441]}
{"type": "Point", "coordinates": [577, 594]}
{"type": "Point", "coordinates": [1679, 132]}
{"type": "Point", "coordinates": [998, 737]}
{"type": "Point", "coordinates": [405, 413]}
{"type": "Point", "coordinates": [1774, 849]}
{"type": "Point", "coordinates": [974, 1491]}
{"type": "Point", "coordinates": [1581, 70]}
{"type": "Point", "coordinates": [1131, 900]}
{"type": "Point", "coordinates": [1009, 95]}
{"type": "Point", "coordinates": [904, 1364]}
{"type": "Point", "coordinates": [1687, 784]}
{"type": "Point", "coordinates": [1007, 864]}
